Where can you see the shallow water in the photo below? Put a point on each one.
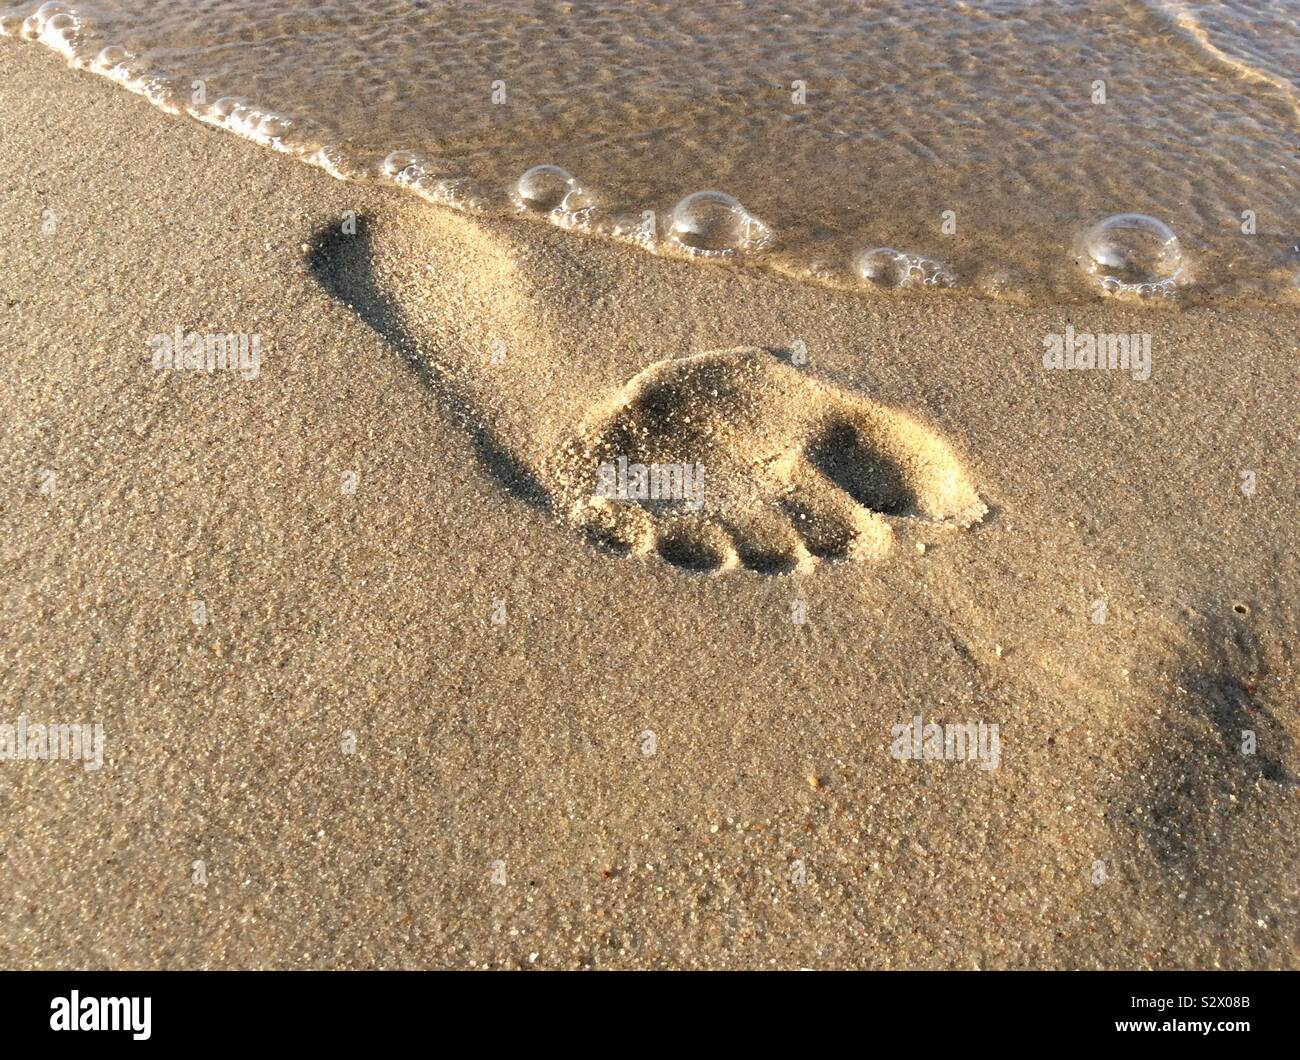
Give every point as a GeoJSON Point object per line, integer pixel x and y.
{"type": "Point", "coordinates": [949, 146]}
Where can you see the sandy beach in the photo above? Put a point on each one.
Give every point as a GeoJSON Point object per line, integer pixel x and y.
{"type": "Point", "coordinates": [381, 687]}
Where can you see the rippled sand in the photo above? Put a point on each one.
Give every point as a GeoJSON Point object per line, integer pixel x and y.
{"type": "Point", "coordinates": [979, 138]}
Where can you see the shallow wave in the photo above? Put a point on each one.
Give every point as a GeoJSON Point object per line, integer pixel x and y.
{"type": "Point", "coordinates": [891, 148]}
{"type": "Point", "coordinates": [1260, 43]}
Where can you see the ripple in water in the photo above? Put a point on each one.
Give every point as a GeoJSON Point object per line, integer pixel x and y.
{"type": "Point", "coordinates": [341, 85]}
{"type": "Point", "coordinates": [713, 224]}
{"type": "Point", "coordinates": [888, 267]}
{"type": "Point", "coordinates": [1132, 253]}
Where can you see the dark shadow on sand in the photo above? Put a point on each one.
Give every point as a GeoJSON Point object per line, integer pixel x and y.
{"type": "Point", "coordinates": [341, 263]}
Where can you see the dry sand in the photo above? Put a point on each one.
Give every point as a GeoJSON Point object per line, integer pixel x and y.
{"type": "Point", "coordinates": [770, 827]}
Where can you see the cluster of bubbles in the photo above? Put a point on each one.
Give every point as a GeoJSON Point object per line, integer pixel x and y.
{"type": "Point", "coordinates": [1127, 253]}
{"type": "Point", "coordinates": [642, 231]}
{"type": "Point", "coordinates": [708, 224]}
{"type": "Point", "coordinates": [265, 127]}
{"type": "Point", "coordinates": [59, 27]}
{"type": "Point", "coordinates": [888, 267]}
{"type": "Point", "coordinates": [120, 65]}
{"type": "Point", "coordinates": [429, 178]}
{"type": "Point", "coordinates": [56, 26]}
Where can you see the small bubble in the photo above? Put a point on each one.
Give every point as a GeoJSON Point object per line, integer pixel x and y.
{"type": "Point", "coordinates": [111, 57]}
{"type": "Point", "coordinates": [273, 127]}
{"type": "Point", "coordinates": [880, 265]}
{"type": "Point", "coordinates": [226, 107]}
{"type": "Point", "coordinates": [401, 163]}
{"type": "Point", "coordinates": [334, 161]}
{"type": "Point", "coordinates": [1133, 253]}
{"type": "Point", "coordinates": [714, 224]}
{"type": "Point", "coordinates": [430, 179]}
{"type": "Point", "coordinates": [118, 64]}
{"type": "Point", "coordinates": [639, 229]}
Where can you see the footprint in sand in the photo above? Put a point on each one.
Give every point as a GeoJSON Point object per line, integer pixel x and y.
{"type": "Point", "coordinates": [757, 465]}
{"type": "Point", "coordinates": [716, 461]}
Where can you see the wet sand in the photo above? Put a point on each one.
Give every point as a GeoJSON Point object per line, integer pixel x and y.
{"type": "Point", "coordinates": [563, 757]}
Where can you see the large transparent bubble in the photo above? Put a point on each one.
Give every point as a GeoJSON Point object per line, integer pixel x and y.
{"type": "Point", "coordinates": [1135, 254]}
{"type": "Point", "coordinates": [714, 224]}
{"type": "Point", "coordinates": [555, 192]}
